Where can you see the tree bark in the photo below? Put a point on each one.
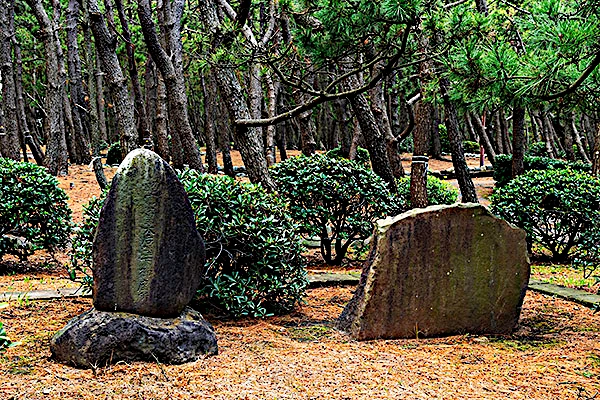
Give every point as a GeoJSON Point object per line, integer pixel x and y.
{"type": "Point", "coordinates": [596, 153]}
{"type": "Point", "coordinates": [270, 131]}
{"type": "Point", "coordinates": [577, 139]}
{"type": "Point", "coordinates": [248, 139]}
{"type": "Point", "coordinates": [519, 139]}
{"type": "Point", "coordinates": [375, 140]}
{"type": "Point", "coordinates": [484, 139]}
{"type": "Point", "coordinates": [210, 96]}
{"type": "Point", "coordinates": [56, 151]}
{"type": "Point", "coordinates": [144, 134]}
{"type": "Point", "coordinates": [418, 170]}
{"type": "Point", "coordinates": [379, 109]}
{"type": "Point", "coordinates": [467, 189]}
{"type": "Point", "coordinates": [170, 66]}
{"type": "Point", "coordinates": [124, 107]}
{"type": "Point", "coordinates": [79, 108]}
{"type": "Point", "coordinates": [9, 139]}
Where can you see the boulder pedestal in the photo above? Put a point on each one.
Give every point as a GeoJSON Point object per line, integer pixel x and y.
{"type": "Point", "coordinates": [97, 338]}
{"type": "Point", "coordinates": [439, 271]}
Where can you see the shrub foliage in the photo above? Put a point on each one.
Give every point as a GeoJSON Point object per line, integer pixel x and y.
{"type": "Point", "coordinates": [557, 208]}
{"type": "Point", "coordinates": [254, 252]}
{"type": "Point", "coordinates": [254, 261]}
{"type": "Point", "coordinates": [334, 199]}
{"type": "Point", "coordinates": [503, 166]}
{"type": "Point", "coordinates": [438, 191]}
{"type": "Point", "coordinates": [34, 213]}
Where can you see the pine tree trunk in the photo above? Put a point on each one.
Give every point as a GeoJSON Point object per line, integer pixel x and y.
{"type": "Point", "coordinates": [9, 139]}
{"type": "Point", "coordinates": [484, 138]}
{"type": "Point", "coordinates": [596, 153]}
{"type": "Point", "coordinates": [123, 104]}
{"type": "Point", "coordinates": [79, 108]}
{"type": "Point", "coordinates": [375, 140]}
{"type": "Point", "coordinates": [210, 96]}
{"type": "Point", "coordinates": [56, 151]}
{"type": "Point", "coordinates": [379, 110]}
{"type": "Point", "coordinates": [24, 126]}
{"type": "Point", "coordinates": [272, 94]}
{"type": "Point", "coordinates": [467, 189]}
{"type": "Point", "coordinates": [248, 139]}
{"type": "Point", "coordinates": [418, 169]}
{"type": "Point", "coordinates": [170, 66]}
{"type": "Point", "coordinates": [144, 134]}
{"type": "Point", "coordinates": [577, 139]}
{"type": "Point", "coordinates": [519, 139]}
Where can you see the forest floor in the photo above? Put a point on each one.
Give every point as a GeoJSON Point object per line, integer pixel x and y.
{"type": "Point", "coordinates": [554, 353]}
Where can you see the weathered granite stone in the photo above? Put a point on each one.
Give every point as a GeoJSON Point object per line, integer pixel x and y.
{"type": "Point", "coordinates": [438, 271]}
{"type": "Point", "coordinates": [148, 256]}
{"type": "Point", "coordinates": [97, 338]}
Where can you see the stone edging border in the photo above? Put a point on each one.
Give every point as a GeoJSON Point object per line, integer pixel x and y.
{"type": "Point", "coordinates": [322, 280]}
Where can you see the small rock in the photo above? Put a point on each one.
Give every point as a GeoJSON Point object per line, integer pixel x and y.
{"type": "Point", "coordinates": [97, 338]}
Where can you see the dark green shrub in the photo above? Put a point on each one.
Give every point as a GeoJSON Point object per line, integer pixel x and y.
{"type": "Point", "coordinates": [254, 252]}
{"type": "Point", "coordinates": [113, 155]}
{"type": "Point", "coordinates": [471, 147]}
{"type": "Point", "coordinates": [537, 149]}
{"type": "Point", "coordinates": [333, 198]}
{"type": "Point", "coordinates": [81, 243]}
{"type": "Point", "coordinates": [438, 191]}
{"type": "Point", "coordinates": [503, 166]}
{"type": "Point", "coordinates": [34, 213]}
{"type": "Point", "coordinates": [362, 155]}
{"type": "Point", "coordinates": [555, 207]}
{"type": "Point", "coordinates": [587, 254]}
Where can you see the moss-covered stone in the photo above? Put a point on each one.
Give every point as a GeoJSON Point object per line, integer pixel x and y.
{"type": "Point", "coordinates": [438, 271]}
{"type": "Point", "coordinates": [148, 256]}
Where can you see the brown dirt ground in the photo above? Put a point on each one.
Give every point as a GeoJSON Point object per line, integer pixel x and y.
{"type": "Point", "coordinates": [555, 352]}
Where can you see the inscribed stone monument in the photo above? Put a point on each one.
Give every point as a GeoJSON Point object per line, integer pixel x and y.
{"type": "Point", "coordinates": [148, 262]}
{"type": "Point", "coordinates": [437, 271]}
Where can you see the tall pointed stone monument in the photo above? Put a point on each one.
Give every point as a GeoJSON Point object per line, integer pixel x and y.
{"type": "Point", "coordinates": [148, 263]}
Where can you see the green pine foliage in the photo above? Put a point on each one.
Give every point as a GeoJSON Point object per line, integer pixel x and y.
{"type": "Point", "coordinates": [34, 213]}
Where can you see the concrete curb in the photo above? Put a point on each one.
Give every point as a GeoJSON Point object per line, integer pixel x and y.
{"type": "Point", "coordinates": [320, 280]}
{"type": "Point", "coordinates": [578, 296]}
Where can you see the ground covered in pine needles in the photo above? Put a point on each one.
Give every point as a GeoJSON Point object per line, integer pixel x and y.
{"type": "Point", "coordinates": [554, 353]}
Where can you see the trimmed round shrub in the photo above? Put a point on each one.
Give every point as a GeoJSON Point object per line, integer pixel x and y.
{"type": "Point", "coordinates": [503, 166]}
{"type": "Point", "coordinates": [362, 155]}
{"type": "Point", "coordinates": [34, 213]}
{"type": "Point", "coordinates": [334, 199]}
{"type": "Point", "coordinates": [438, 191]}
{"type": "Point", "coordinates": [471, 147]}
{"type": "Point", "coordinates": [254, 263]}
{"type": "Point", "coordinates": [555, 207]}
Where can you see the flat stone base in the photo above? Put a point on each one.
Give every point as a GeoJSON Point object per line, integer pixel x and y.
{"type": "Point", "coordinates": [97, 338]}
